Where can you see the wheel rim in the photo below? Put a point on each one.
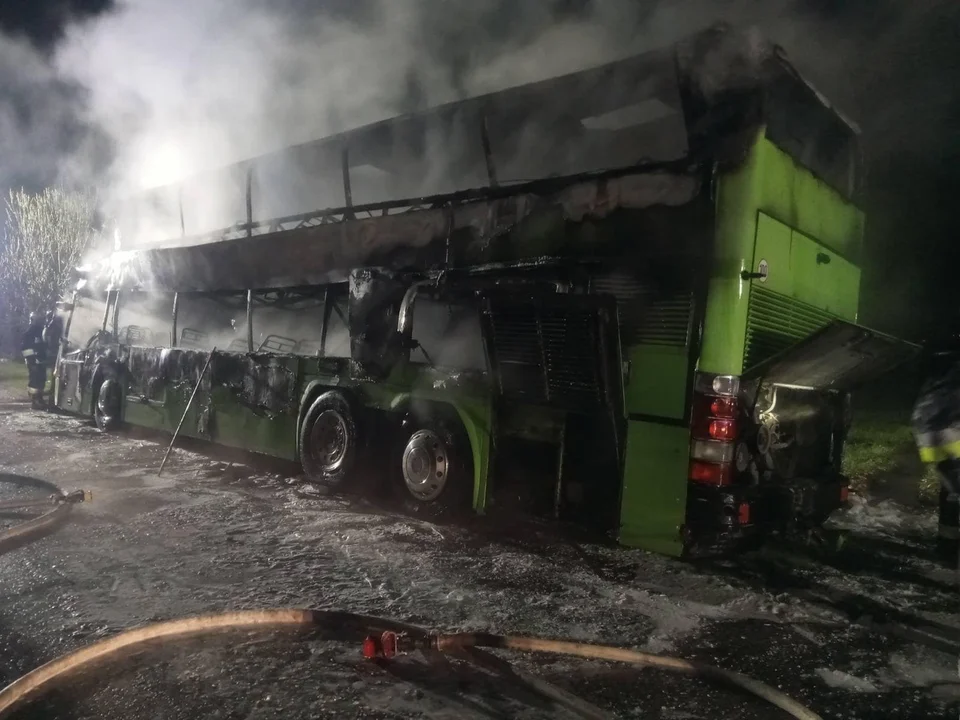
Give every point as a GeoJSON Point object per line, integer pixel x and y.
{"type": "Point", "coordinates": [106, 403]}
{"type": "Point", "coordinates": [425, 465]}
{"type": "Point", "coordinates": [329, 441]}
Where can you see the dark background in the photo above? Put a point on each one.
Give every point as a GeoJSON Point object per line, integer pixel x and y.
{"type": "Point", "coordinates": [891, 65]}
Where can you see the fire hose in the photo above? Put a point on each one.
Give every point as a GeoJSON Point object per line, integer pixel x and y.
{"type": "Point", "coordinates": [60, 503]}
{"type": "Point", "coordinates": [383, 639]}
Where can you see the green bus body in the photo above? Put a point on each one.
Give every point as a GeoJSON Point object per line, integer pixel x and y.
{"type": "Point", "coordinates": [770, 208]}
{"type": "Point", "coordinates": [758, 259]}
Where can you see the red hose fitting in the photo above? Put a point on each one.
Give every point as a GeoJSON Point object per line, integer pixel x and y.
{"type": "Point", "coordinates": [388, 644]}
{"type": "Point", "coordinates": [371, 648]}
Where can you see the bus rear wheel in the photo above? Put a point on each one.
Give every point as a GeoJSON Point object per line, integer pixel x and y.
{"type": "Point", "coordinates": [436, 467]}
{"type": "Point", "coordinates": [106, 410]}
{"type": "Point", "coordinates": [328, 441]}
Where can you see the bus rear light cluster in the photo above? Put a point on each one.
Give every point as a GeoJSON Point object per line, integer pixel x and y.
{"type": "Point", "coordinates": [705, 473]}
{"type": "Point", "coordinates": [714, 429]}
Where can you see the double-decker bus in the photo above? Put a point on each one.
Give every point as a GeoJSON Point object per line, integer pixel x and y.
{"type": "Point", "coordinates": [625, 297]}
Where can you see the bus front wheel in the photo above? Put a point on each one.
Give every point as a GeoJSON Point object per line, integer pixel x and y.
{"type": "Point", "coordinates": [328, 441]}
{"type": "Point", "coordinates": [436, 467]}
{"type": "Point", "coordinates": [106, 410]}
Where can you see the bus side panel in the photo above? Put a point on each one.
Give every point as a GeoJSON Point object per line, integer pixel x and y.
{"type": "Point", "coordinates": [725, 317]}
{"type": "Point", "coordinates": [255, 403]}
{"type": "Point", "coordinates": [477, 418]}
{"type": "Point", "coordinates": [797, 198]}
{"type": "Point", "coordinates": [657, 384]}
{"type": "Point", "coordinates": [153, 415]}
{"type": "Point", "coordinates": [653, 502]}
{"type": "Point", "coordinates": [771, 209]}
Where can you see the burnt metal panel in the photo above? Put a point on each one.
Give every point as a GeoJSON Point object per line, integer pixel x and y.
{"type": "Point", "coordinates": [552, 349]}
{"type": "Point", "coordinates": [514, 223]}
{"type": "Point", "coordinates": [836, 357]}
{"type": "Point", "coordinates": [375, 297]}
{"type": "Point", "coordinates": [259, 382]}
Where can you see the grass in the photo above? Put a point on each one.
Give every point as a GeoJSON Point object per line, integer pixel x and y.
{"type": "Point", "coordinates": [12, 371]}
{"type": "Point", "coordinates": [881, 450]}
{"type": "Point", "coordinates": [13, 380]}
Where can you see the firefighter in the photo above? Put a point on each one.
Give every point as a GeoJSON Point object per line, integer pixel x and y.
{"type": "Point", "coordinates": [936, 425]}
{"type": "Point", "coordinates": [53, 337]}
{"type": "Point", "coordinates": [34, 351]}
{"type": "Point", "coordinates": [53, 334]}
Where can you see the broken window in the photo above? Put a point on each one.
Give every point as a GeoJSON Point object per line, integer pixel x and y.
{"type": "Point", "coordinates": [212, 320]}
{"type": "Point", "coordinates": [288, 322]}
{"type": "Point", "coordinates": [145, 319]}
{"type": "Point", "coordinates": [337, 340]}
{"type": "Point", "coordinates": [291, 321]}
{"type": "Point", "coordinates": [448, 335]}
{"type": "Point", "coordinates": [87, 320]}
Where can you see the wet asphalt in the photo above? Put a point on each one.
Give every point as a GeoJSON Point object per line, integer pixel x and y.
{"type": "Point", "coordinates": [840, 635]}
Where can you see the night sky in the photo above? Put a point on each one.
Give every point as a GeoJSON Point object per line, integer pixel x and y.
{"type": "Point", "coordinates": [901, 83]}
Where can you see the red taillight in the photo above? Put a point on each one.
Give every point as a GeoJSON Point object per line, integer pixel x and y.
{"type": "Point", "coordinates": [844, 493]}
{"type": "Point", "coordinates": [705, 473]}
{"type": "Point", "coordinates": [714, 429]}
{"type": "Point", "coordinates": [724, 407]}
{"type": "Point", "coordinates": [743, 514]}
{"type": "Point", "coordinates": [723, 430]}
{"type": "Point", "coordinates": [714, 418]}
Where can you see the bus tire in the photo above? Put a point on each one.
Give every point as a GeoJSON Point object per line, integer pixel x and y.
{"type": "Point", "coordinates": [107, 405]}
{"type": "Point", "coordinates": [329, 440]}
{"type": "Point", "coordinates": [435, 473]}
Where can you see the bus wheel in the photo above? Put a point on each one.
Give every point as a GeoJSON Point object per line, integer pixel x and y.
{"type": "Point", "coordinates": [328, 440]}
{"type": "Point", "coordinates": [436, 467]}
{"type": "Point", "coordinates": [106, 411]}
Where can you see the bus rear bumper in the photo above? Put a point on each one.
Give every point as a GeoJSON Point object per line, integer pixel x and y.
{"type": "Point", "coordinates": [722, 520]}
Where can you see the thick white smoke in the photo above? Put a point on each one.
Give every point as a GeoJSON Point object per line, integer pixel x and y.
{"type": "Point", "coordinates": [185, 86]}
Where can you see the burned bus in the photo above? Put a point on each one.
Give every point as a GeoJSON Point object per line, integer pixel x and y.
{"type": "Point", "coordinates": [625, 297]}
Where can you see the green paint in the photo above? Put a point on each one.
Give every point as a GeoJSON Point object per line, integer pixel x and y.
{"type": "Point", "coordinates": [653, 502]}
{"type": "Point", "coordinates": [797, 269]}
{"type": "Point", "coordinates": [474, 406]}
{"type": "Point", "coordinates": [771, 208]}
{"type": "Point", "coordinates": [657, 384]}
{"type": "Point", "coordinates": [768, 208]}
{"type": "Point", "coordinates": [477, 418]}
{"type": "Point", "coordinates": [797, 198]}
{"type": "Point", "coordinates": [725, 318]}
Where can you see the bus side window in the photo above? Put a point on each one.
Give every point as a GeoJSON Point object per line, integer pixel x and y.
{"type": "Point", "coordinates": [87, 318]}
{"type": "Point", "coordinates": [209, 320]}
{"type": "Point", "coordinates": [144, 319]}
{"type": "Point", "coordinates": [448, 335]}
{"type": "Point", "coordinates": [337, 341]}
{"type": "Point", "coordinates": [287, 322]}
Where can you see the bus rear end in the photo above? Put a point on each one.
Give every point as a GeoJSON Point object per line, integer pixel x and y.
{"type": "Point", "coordinates": [780, 351]}
{"type": "Point", "coordinates": [767, 446]}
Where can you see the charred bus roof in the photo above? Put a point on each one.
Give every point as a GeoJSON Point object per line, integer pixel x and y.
{"type": "Point", "coordinates": [466, 230]}
{"type": "Point", "coordinates": [472, 165]}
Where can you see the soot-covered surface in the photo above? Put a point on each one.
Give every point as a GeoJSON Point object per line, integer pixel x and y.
{"type": "Point", "coordinates": [209, 536]}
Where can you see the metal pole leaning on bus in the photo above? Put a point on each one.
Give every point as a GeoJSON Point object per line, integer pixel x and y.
{"type": "Point", "coordinates": [185, 411]}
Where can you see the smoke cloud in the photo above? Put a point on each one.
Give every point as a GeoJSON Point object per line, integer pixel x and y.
{"type": "Point", "coordinates": [152, 92]}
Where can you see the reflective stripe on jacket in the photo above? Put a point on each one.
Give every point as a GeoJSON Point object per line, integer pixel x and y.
{"type": "Point", "coordinates": [936, 416]}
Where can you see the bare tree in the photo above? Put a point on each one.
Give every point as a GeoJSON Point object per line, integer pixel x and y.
{"type": "Point", "coordinates": [46, 236]}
